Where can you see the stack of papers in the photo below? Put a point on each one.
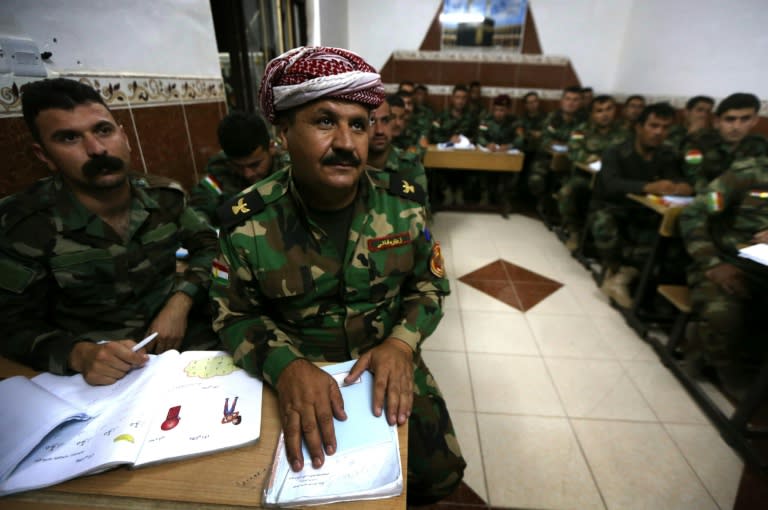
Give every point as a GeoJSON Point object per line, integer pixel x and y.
{"type": "Point", "coordinates": [756, 253]}
{"type": "Point", "coordinates": [365, 466]}
{"type": "Point", "coordinates": [556, 147]}
{"type": "Point", "coordinates": [463, 143]}
{"type": "Point", "coordinates": [676, 201]}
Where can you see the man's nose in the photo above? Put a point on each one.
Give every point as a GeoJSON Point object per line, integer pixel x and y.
{"type": "Point", "coordinates": [93, 146]}
{"type": "Point", "coordinates": [343, 138]}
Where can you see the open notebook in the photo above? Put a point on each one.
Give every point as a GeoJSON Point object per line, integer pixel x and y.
{"type": "Point", "coordinates": [55, 428]}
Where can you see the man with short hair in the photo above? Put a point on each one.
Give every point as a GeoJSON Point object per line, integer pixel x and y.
{"type": "Point", "coordinates": [382, 155]}
{"type": "Point", "coordinates": [623, 229]}
{"type": "Point", "coordinates": [497, 133]}
{"type": "Point", "coordinates": [475, 102]}
{"type": "Point", "coordinates": [88, 255]}
{"type": "Point", "coordinates": [557, 131]}
{"type": "Point", "coordinates": [246, 157]}
{"type": "Point", "coordinates": [633, 106]}
{"type": "Point", "coordinates": [330, 260]}
{"type": "Point", "coordinates": [407, 132]}
{"type": "Point", "coordinates": [697, 118]}
{"type": "Point", "coordinates": [709, 153]}
{"type": "Point", "coordinates": [586, 146]}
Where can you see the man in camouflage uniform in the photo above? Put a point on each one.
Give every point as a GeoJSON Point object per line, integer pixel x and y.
{"type": "Point", "coordinates": [497, 133]}
{"type": "Point", "coordinates": [447, 127]}
{"type": "Point", "coordinates": [246, 157]}
{"type": "Point", "coordinates": [623, 229]}
{"type": "Point", "coordinates": [88, 254]}
{"type": "Point", "coordinates": [729, 295]}
{"type": "Point", "coordinates": [587, 143]}
{"type": "Point", "coordinates": [713, 151]}
{"type": "Point", "coordinates": [631, 110]}
{"type": "Point", "coordinates": [330, 260]}
{"type": "Point", "coordinates": [557, 131]}
{"type": "Point", "coordinates": [698, 118]}
{"type": "Point", "coordinates": [422, 112]}
{"type": "Point", "coordinates": [408, 132]}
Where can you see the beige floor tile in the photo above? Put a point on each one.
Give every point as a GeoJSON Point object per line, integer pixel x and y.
{"type": "Point", "coordinates": [465, 426]}
{"type": "Point", "coordinates": [513, 385]}
{"type": "Point", "coordinates": [498, 332]}
{"type": "Point", "coordinates": [471, 254]}
{"type": "Point", "coordinates": [560, 302]}
{"type": "Point", "coordinates": [637, 466]}
{"type": "Point", "coordinates": [524, 255]}
{"type": "Point", "coordinates": [449, 335]}
{"type": "Point", "coordinates": [452, 376]}
{"type": "Point", "coordinates": [622, 340]}
{"type": "Point", "coordinates": [715, 462]}
{"type": "Point", "coordinates": [663, 392]}
{"type": "Point", "coordinates": [598, 389]}
{"type": "Point", "coordinates": [568, 336]}
{"type": "Point", "coordinates": [592, 300]}
{"type": "Point", "coordinates": [535, 462]}
{"type": "Point", "coordinates": [451, 301]}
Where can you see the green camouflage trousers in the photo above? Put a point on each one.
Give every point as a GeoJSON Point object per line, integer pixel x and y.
{"type": "Point", "coordinates": [573, 201]}
{"type": "Point", "coordinates": [623, 235]}
{"type": "Point", "coordinates": [435, 464]}
{"type": "Point", "coordinates": [538, 180]}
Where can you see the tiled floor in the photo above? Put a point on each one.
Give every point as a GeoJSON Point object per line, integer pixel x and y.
{"type": "Point", "coordinates": [556, 402]}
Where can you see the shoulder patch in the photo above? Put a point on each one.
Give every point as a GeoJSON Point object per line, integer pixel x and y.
{"type": "Point", "coordinates": [406, 188]}
{"type": "Point", "coordinates": [150, 181]}
{"type": "Point", "coordinates": [234, 211]}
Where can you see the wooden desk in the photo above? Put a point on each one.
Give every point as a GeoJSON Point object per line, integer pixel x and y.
{"type": "Point", "coordinates": [229, 479]}
{"type": "Point", "coordinates": [460, 159]}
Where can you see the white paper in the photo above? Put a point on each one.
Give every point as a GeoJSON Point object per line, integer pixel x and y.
{"type": "Point", "coordinates": [595, 166]}
{"type": "Point", "coordinates": [365, 466]}
{"type": "Point", "coordinates": [676, 200]}
{"type": "Point", "coordinates": [757, 253]}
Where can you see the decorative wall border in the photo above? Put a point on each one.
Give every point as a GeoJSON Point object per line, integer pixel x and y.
{"type": "Point", "coordinates": [126, 90]}
{"type": "Point", "coordinates": [475, 56]}
{"type": "Point", "coordinates": [554, 94]}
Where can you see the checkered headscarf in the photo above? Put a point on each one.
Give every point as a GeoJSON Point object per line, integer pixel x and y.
{"type": "Point", "coordinates": [303, 74]}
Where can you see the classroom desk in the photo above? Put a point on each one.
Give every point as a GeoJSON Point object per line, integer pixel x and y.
{"type": "Point", "coordinates": [477, 161]}
{"type": "Point", "coordinates": [227, 479]}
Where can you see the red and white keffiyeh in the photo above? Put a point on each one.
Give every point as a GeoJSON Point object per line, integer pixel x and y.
{"type": "Point", "coordinates": [303, 74]}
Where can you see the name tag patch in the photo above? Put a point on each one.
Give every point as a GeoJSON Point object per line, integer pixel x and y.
{"type": "Point", "coordinates": [390, 241]}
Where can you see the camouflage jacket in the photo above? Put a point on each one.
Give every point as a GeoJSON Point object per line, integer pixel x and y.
{"type": "Point", "coordinates": [220, 183]}
{"type": "Point", "coordinates": [557, 130]}
{"type": "Point", "coordinates": [445, 125]}
{"type": "Point", "coordinates": [586, 141]}
{"type": "Point", "coordinates": [407, 165]}
{"type": "Point", "coordinates": [706, 156]}
{"type": "Point", "coordinates": [526, 125]}
{"type": "Point", "coordinates": [726, 215]}
{"type": "Point", "coordinates": [66, 276]}
{"type": "Point", "coordinates": [281, 291]}
{"type": "Point", "coordinates": [500, 133]}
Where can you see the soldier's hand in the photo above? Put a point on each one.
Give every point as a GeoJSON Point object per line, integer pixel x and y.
{"type": "Point", "coordinates": [170, 324]}
{"type": "Point", "coordinates": [760, 237]}
{"type": "Point", "coordinates": [105, 363]}
{"type": "Point", "coordinates": [661, 187]}
{"type": "Point", "coordinates": [309, 399]}
{"type": "Point", "coordinates": [391, 363]}
{"type": "Point", "coordinates": [683, 189]}
{"type": "Point", "coordinates": [730, 278]}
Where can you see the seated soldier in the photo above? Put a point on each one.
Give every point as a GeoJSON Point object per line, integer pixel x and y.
{"type": "Point", "coordinates": [697, 118]}
{"type": "Point", "coordinates": [420, 105]}
{"type": "Point", "coordinates": [729, 294]}
{"type": "Point", "coordinates": [475, 103]}
{"type": "Point", "coordinates": [631, 110]}
{"type": "Point", "coordinates": [557, 131]}
{"type": "Point", "coordinates": [529, 131]}
{"type": "Point", "coordinates": [246, 157]}
{"type": "Point", "coordinates": [587, 94]}
{"type": "Point", "coordinates": [587, 143]}
{"type": "Point", "coordinates": [711, 152]}
{"type": "Point", "coordinates": [330, 260]}
{"type": "Point", "coordinates": [382, 155]}
{"type": "Point", "coordinates": [623, 229]}
{"type": "Point", "coordinates": [447, 127]}
{"type": "Point", "coordinates": [497, 133]}
{"type": "Point", "coordinates": [408, 131]}
{"type": "Point", "coordinates": [89, 254]}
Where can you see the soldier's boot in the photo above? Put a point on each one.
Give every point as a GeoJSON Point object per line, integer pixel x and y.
{"type": "Point", "coordinates": [459, 196]}
{"type": "Point", "coordinates": [616, 285]}
{"type": "Point", "coordinates": [572, 243]}
{"type": "Point", "coordinates": [448, 198]}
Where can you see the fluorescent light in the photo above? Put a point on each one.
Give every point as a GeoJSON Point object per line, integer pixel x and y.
{"type": "Point", "coordinates": [461, 17]}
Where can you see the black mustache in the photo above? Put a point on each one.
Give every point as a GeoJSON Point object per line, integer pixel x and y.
{"type": "Point", "coordinates": [341, 160]}
{"type": "Point", "coordinates": [95, 165]}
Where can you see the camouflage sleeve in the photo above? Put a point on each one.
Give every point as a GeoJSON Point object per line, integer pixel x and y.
{"type": "Point", "coordinates": [204, 201]}
{"type": "Point", "coordinates": [576, 146]}
{"type": "Point", "coordinates": [423, 294]}
{"type": "Point", "coordinates": [482, 134]}
{"type": "Point", "coordinates": [199, 238]}
{"type": "Point", "coordinates": [718, 198]}
{"type": "Point", "coordinates": [256, 342]}
{"type": "Point", "coordinates": [25, 289]}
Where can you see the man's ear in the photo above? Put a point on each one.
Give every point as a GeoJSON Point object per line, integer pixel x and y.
{"type": "Point", "coordinates": [40, 153]}
{"type": "Point", "coordinates": [283, 134]}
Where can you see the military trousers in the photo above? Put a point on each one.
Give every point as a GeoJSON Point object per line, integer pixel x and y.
{"type": "Point", "coordinates": [573, 201]}
{"type": "Point", "coordinates": [435, 464]}
{"type": "Point", "coordinates": [623, 235]}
